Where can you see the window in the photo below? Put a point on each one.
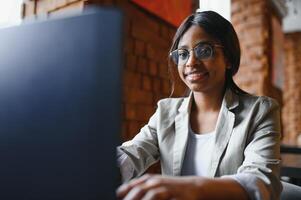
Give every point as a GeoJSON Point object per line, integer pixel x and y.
{"type": "Point", "coordinates": [291, 22]}
{"type": "Point", "coordinates": [223, 7]}
{"type": "Point", "coordinates": [10, 12]}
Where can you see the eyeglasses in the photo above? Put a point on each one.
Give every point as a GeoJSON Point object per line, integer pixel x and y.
{"type": "Point", "coordinates": [202, 51]}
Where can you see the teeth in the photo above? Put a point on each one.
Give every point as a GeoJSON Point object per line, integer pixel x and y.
{"type": "Point", "coordinates": [196, 72]}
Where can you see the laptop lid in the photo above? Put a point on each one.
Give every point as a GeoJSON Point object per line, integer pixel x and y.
{"type": "Point", "coordinates": [60, 107]}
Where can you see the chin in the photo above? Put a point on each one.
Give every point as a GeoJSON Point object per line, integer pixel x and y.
{"type": "Point", "coordinates": [198, 89]}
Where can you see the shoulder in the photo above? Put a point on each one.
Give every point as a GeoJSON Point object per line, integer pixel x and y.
{"type": "Point", "coordinates": [252, 101]}
{"type": "Point", "coordinates": [167, 110]}
{"type": "Point", "coordinates": [169, 107]}
{"type": "Point", "coordinates": [171, 103]}
{"type": "Point", "coordinates": [255, 109]}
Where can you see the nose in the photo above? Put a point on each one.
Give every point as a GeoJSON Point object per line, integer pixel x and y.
{"type": "Point", "coordinates": [192, 60]}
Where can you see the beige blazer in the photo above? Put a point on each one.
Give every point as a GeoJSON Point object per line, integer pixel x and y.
{"type": "Point", "coordinates": [247, 139]}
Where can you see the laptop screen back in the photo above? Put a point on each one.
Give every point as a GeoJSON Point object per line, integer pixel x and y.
{"type": "Point", "coordinates": [60, 107]}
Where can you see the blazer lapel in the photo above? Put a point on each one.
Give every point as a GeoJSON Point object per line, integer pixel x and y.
{"type": "Point", "coordinates": [181, 135]}
{"type": "Point", "coordinates": [223, 130]}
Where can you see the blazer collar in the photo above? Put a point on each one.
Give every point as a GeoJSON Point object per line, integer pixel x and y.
{"type": "Point", "coordinates": [186, 104]}
{"type": "Point", "coordinates": [181, 134]}
{"type": "Point", "coordinates": [224, 128]}
{"type": "Point", "coordinates": [223, 131]}
{"type": "Point", "coordinates": [230, 101]}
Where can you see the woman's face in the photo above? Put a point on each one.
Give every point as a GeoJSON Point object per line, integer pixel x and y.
{"type": "Point", "coordinates": [202, 75]}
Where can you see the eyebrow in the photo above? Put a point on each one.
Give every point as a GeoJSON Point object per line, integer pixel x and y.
{"type": "Point", "coordinates": [200, 42]}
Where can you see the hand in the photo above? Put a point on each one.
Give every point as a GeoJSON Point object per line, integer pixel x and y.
{"type": "Point", "coordinates": [156, 187]}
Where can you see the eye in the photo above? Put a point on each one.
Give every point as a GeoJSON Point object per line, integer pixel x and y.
{"type": "Point", "coordinates": [183, 54]}
{"type": "Point", "coordinates": [203, 51]}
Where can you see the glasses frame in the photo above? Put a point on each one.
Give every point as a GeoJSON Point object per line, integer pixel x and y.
{"type": "Point", "coordinates": [211, 45]}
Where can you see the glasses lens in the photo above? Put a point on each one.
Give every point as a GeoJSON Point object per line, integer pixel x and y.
{"type": "Point", "coordinates": [174, 56]}
{"type": "Point", "coordinates": [203, 51]}
{"type": "Point", "coordinates": [180, 56]}
{"type": "Point", "coordinates": [183, 56]}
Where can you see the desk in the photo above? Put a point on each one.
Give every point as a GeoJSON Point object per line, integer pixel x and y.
{"type": "Point", "coordinates": [291, 165]}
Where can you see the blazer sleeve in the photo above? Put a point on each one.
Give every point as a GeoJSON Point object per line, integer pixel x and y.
{"type": "Point", "coordinates": [136, 155]}
{"type": "Point", "coordinates": [262, 153]}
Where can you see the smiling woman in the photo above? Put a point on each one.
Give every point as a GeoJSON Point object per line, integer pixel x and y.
{"type": "Point", "coordinates": [10, 12]}
{"type": "Point", "coordinates": [219, 142]}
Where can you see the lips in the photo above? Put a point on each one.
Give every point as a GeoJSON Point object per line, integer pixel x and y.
{"type": "Point", "coordinates": [196, 75]}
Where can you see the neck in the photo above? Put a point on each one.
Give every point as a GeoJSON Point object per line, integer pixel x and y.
{"type": "Point", "coordinates": [208, 101]}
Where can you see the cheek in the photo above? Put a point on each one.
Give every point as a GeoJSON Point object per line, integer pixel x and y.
{"type": "Point", "coordinates": [218, 68]}
{"type": "Point", "coordinates": [180, 71]}
{"type": "Point", "coordinates": [220, 73]}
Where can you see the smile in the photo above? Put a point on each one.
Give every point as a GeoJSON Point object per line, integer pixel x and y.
{"type": "Point", "coordinates": [196, 75]}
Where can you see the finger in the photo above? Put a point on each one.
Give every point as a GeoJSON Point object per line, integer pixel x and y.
{"type": "Point", "coordinates": [139, 191]}
{"type": "Point", "coordinates": [136, 193]}
{"type": "Point", "coordinates": [161, 193]}
{"type": "Point", "coordinates": [125, 188]}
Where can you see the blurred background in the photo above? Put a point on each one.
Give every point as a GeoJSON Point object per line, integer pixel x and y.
{"type": "Point", "coordinates": [269, 33]}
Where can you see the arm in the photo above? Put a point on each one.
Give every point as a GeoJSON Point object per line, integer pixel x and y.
{"type": "Point", "coordinates": [259, 173]}
{"type": "Point", "coordinates": [182, 188]}
{"type": "Point", "coordinates": [257, 178]}
{"type": "Point", "coordinates": [136, 155]}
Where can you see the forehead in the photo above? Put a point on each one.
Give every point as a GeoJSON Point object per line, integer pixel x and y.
{"type": "Point", "coordinates": [194, 35]}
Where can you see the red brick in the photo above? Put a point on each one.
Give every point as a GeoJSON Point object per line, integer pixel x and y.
{"type": "Point", "coordinates": [163, 70]}
{"type": "Point", "coordinates": [151, 52]}
{"type": "Point", "coordinates": [132, 79]}
{"type": "Point", "coordinates": [129, 45]}
{"type": "Point", "coordinates": [141, 20]}
{"type": "Point", "coordinates": [292, 96]}
{"type": "Point", "coordinates": [153, 68]}
{"type": "Point", "coordinates": [236, 7]}
{"type": "Point", "coordinates": [135, 96]}
{"type": "Point", "coordinates": [139, 48]}
{"type": "Point", "coordinates": [133, 128]}
{"type": "Point", "coordinates": [171, 33]}
{"type": "Point", "coordinates": [166, 87]}
{"type": "Point", "coordinates": [124, 130]}
{"type": "Point", "coordinates": [141, 33]}
{"type": "Point", "coordinates": [164, 32]}
{"type": "Point", "coordinates": [131, 61]}
{"type": "Point", "coordinates": [144, 112]}
{"type": "Point", "coordinates": [156, 85]}
{"type": "Point", "coordinates": [156, 53]}
{"type": "Point", "coordinates": [142, 65]}
{"type": "Point", "coordinates": [146, 83]}
{"type": "Point", "coordinates": [157, 97]}
{"type": "Point", "coordinates": [130, 112]}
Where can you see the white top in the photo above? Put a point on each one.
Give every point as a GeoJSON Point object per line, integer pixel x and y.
{"type": "Point", "coordinates": [198, 153]}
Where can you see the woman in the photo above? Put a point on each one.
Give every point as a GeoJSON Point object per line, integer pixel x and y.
{"type": "Point", "coordinates": [217, 143]}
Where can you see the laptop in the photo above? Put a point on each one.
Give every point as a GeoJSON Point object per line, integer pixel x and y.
{"type": "Point", "coordinates": [60, 107]}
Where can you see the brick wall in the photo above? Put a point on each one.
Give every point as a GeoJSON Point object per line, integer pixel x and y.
{"type": "Point", "coordinates": [147, 41]}
{"type": "Point", "coordinates": [146, 72]}
{"type": "Point", "coordinates": [40, 8]}
{"type": "Point", "coordinates": [259, 29]}
{"type": "Point", "coordinates": [292, 86]}
{"type": "Point", "coordinates": [251, 21]}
